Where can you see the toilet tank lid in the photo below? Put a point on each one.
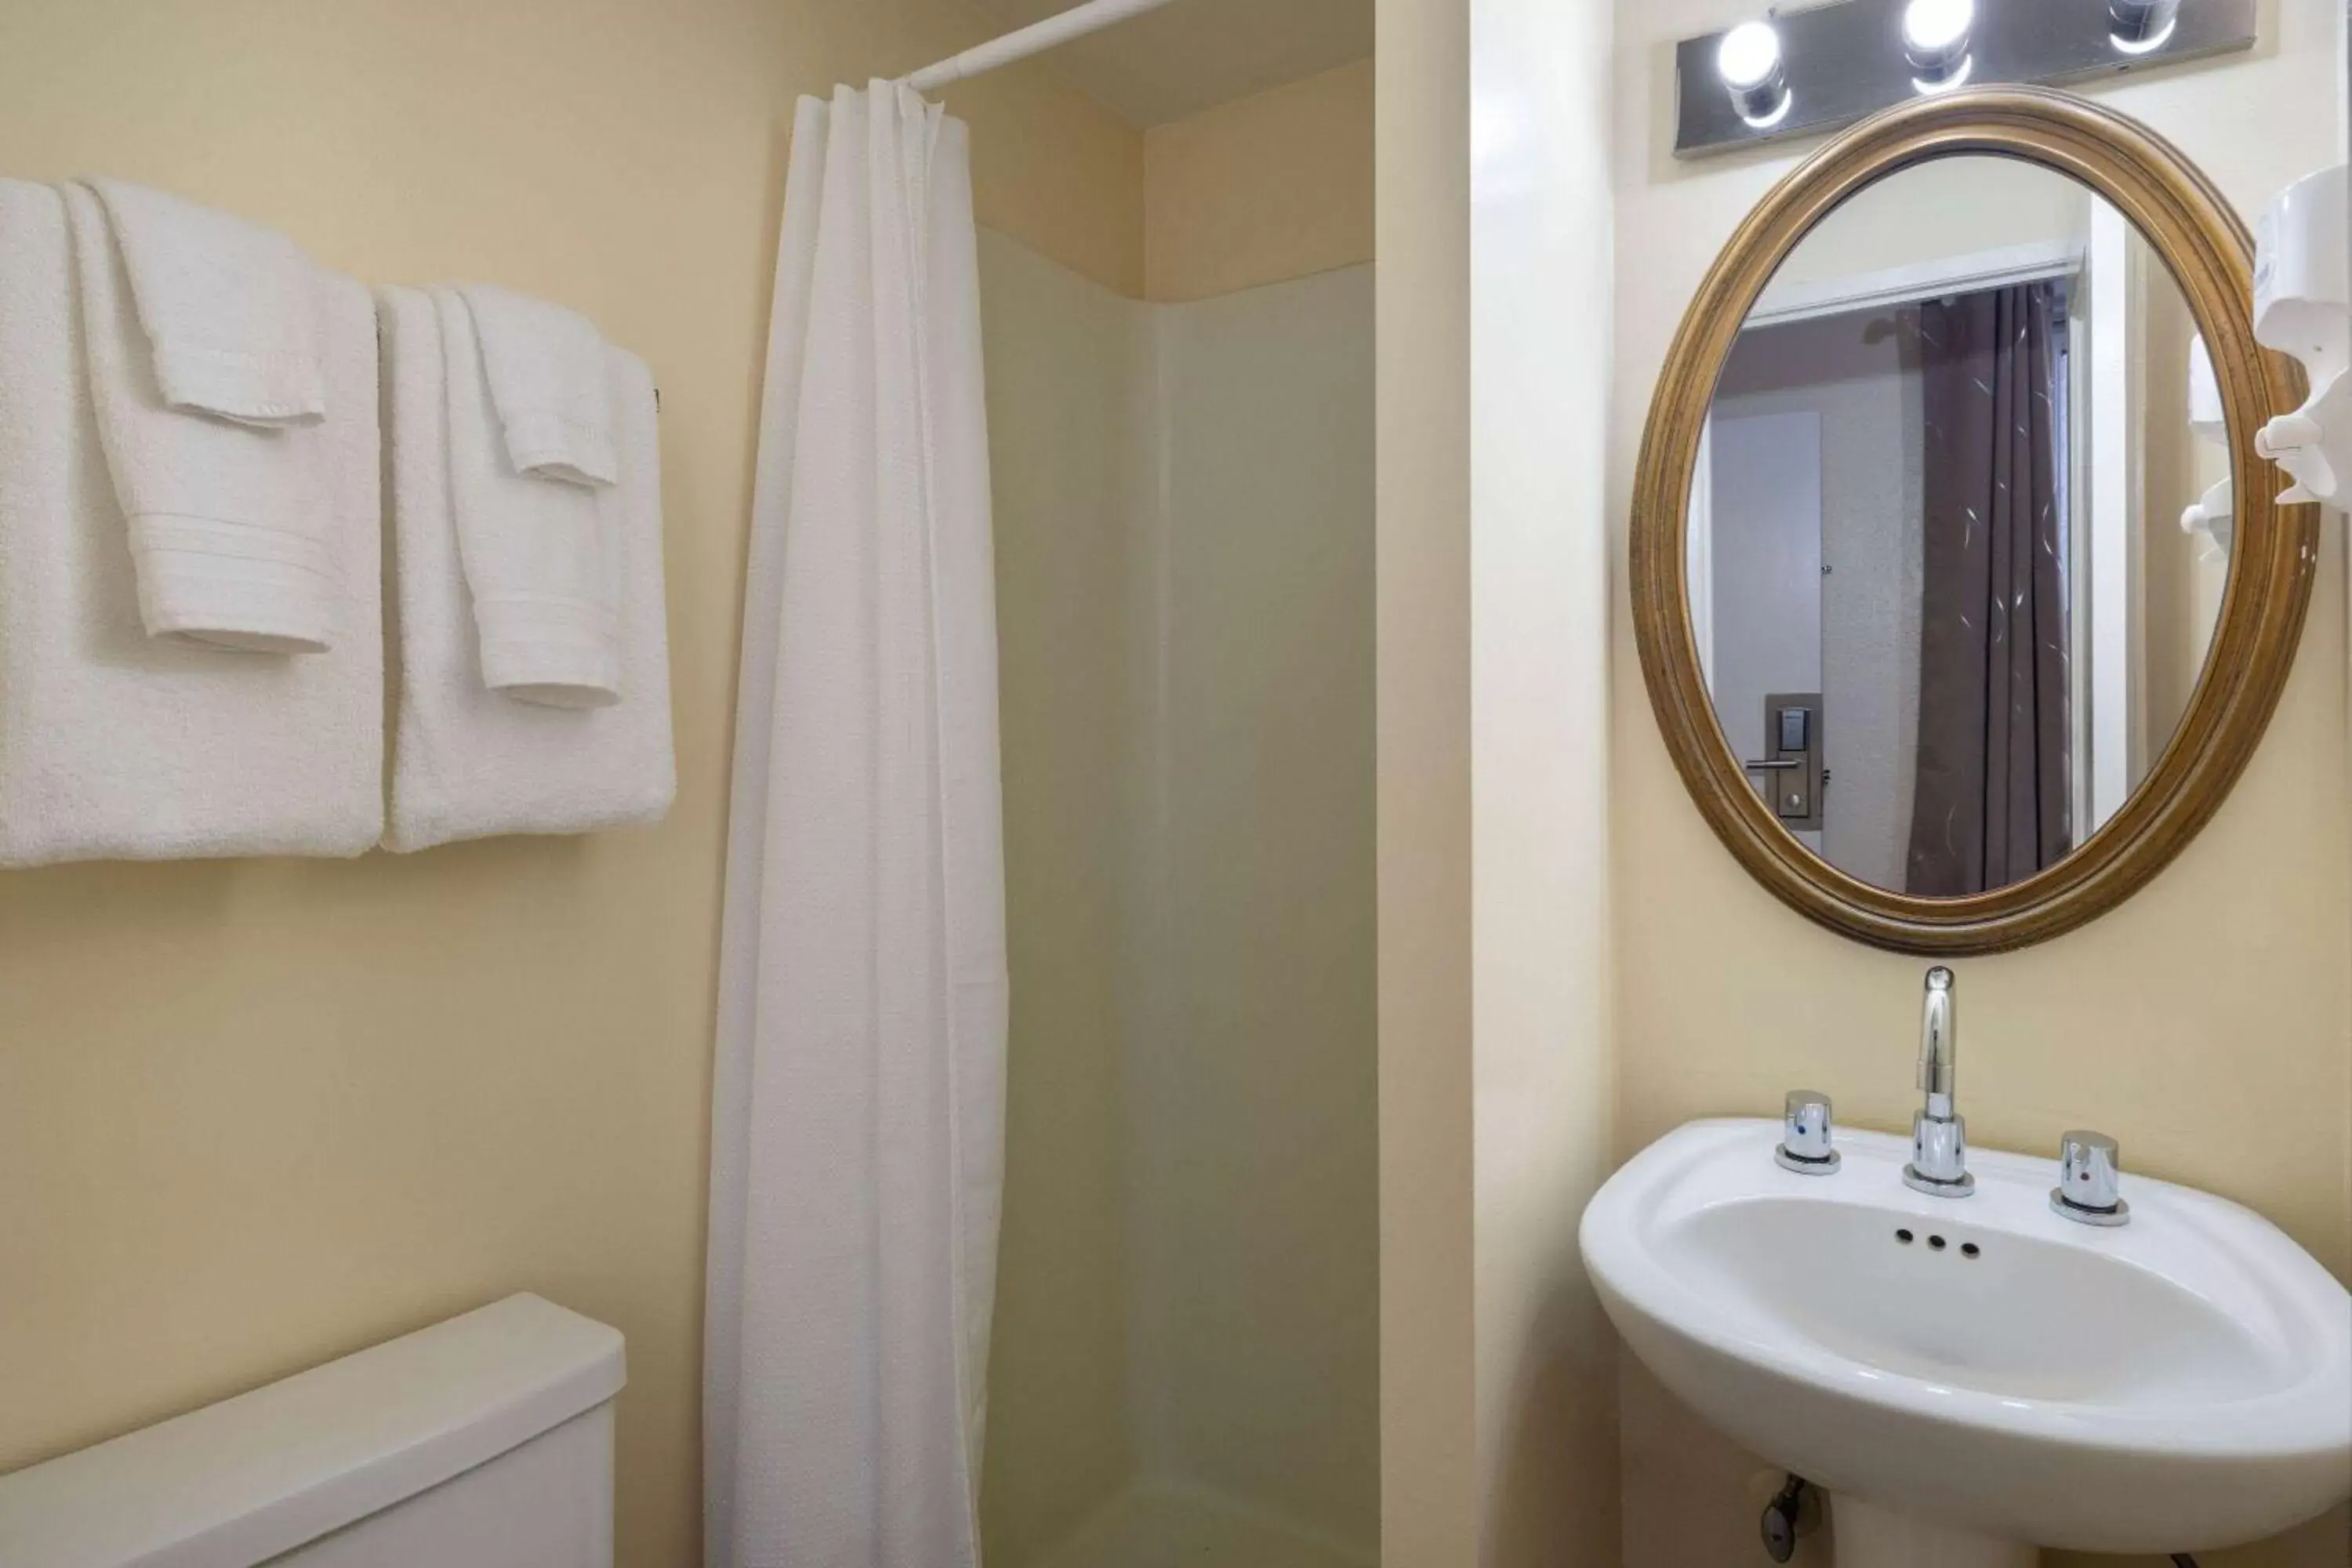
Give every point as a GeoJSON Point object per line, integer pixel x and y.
{"type": "Point", "coordinates": [241, 1481]}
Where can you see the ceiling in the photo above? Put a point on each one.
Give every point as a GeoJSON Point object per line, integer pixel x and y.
{"type": "Point", "coordinates": [1191, 54]}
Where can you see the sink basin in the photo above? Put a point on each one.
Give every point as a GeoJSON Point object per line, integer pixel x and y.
{"type": "Point", "coordinates": [2003, 1379]}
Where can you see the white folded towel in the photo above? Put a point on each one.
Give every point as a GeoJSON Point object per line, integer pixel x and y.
{"type": "Point", "coordinates": [227, 306]}
{"type": "Point", "coordinates": [466, 761]}
{"type": "Point", "coordinates": [231, 525]}
{"type": "Point", "coordinates": [116, 745]}
{"type": "Point", "coordinates": [541, 557]}
{"type": "Point", "coordinates": [546, 370]}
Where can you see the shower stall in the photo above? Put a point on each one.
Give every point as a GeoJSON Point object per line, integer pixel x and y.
{"type": "Point", "coordinates": [1185, 1359]}
{"type": "Point", "coordinates": [1044, 1184]}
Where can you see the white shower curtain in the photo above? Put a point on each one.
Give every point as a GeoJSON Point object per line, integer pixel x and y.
{"type": "Point", "coordinates": [858, 1114]}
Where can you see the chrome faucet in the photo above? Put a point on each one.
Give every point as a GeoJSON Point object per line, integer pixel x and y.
{"type": "Point", "coordinates": [1939, 1145]}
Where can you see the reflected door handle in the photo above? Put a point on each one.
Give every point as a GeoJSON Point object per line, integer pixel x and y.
{"type": "Point", "coordinates": [1774, 764]}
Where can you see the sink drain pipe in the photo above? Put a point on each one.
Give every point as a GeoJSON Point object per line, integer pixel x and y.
{"type": "Point", "coordinates": [1780, 1524]}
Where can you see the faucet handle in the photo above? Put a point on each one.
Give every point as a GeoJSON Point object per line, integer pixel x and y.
{"type": "Point", "coordinates": [1805, 1129]}
{"type": "Point", "coordinates": [2089, 1167]}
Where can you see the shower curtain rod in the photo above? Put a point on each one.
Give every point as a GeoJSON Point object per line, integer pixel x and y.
{"type": "Point", "coordinates": [1033, 40]}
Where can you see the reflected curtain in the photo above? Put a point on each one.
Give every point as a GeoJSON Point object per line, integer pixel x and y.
{"type": "Point", "coordinates": [1990, 804]}
{"type": "Point", "coordinates": [857, 1113]}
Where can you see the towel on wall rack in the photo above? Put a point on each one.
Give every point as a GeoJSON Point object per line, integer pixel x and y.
{"type": "Point", "coordinates": [224, 305]}
{"type": "Point", "coordinates": [231, 525]}
{"type": "Point", "coordinates": [545, 365]}
{"type": "Point", "coordinates": [467, 762]}
{"type": "Point", "coordinates": [114, 744]}
{"type": "Point", "coordinates": [541, 556]}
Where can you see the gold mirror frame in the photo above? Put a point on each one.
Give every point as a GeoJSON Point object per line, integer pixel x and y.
{"type": "Point", "coordinates": [2193, 228]}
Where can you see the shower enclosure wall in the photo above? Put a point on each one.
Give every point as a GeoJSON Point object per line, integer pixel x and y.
{"type": "Point", "coordinates": [1185, 1353]}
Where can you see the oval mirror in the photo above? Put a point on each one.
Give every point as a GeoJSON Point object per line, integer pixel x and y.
{"type": "Point", "coordinates": [1949, 617]}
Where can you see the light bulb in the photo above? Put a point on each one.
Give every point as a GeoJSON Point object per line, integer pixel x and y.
{"type": "Point", "coordinates": [1936, 24]}
{"type": "Point", "coordinates": [1935, 42]}
{"type": "Point", "coordinates": [1749, 55]}
{"type": "Point", "coordinates": [1748, 61]}
{"type": "Point", "coordinates": [2141, 26]}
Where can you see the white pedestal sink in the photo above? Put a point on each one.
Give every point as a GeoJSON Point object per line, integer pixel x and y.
{"type": "Point", "coordinates": [1972, 1379]}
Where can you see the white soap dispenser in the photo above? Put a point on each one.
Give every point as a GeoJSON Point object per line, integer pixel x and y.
{"type": "Point", "coordinates": [2303, 307]}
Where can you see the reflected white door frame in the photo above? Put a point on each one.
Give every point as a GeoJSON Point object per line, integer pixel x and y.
{"type": "Point", "coordinates": [2111, 500]}
{"type": "Point", "coordinates": [1698, 551]}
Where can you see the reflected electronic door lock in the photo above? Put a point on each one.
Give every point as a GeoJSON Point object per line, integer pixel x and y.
{"type": "Point", "coordinates": [1792, 735]}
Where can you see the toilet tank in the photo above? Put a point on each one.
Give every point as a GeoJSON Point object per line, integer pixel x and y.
{"type": "Point", "coordinates": [482, 1442]}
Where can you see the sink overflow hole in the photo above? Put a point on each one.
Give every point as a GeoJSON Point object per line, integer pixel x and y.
{"type": "Point", "coordinates": [1967, 1248]}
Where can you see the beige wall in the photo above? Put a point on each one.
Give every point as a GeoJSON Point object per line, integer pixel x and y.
{"type": "Point", "coordinates": [1540, 318]}
{"type": "Point", "coordinates": [2204, 1024]}
{"type": "Point", "coordinates": [1267, 187]}
{"type": "Point", "coordinates": [1497, 1435]}
{"type": "Point", "coordinates": [260, 1113]}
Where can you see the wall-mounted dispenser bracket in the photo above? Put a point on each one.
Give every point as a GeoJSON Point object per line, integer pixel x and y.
{"type": "Point", "coordinates": [2214, 514]}
{"type": "Point", "coordinates": [2303, 307]}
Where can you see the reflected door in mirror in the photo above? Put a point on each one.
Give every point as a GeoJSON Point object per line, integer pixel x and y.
{"type": "Point", "coordinates": [1945, 466]}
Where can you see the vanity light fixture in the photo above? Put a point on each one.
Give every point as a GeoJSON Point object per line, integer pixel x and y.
{"type": "Point", "coordinates": [1748, 61]}
{"type": "Point", "coordinates": [1935, 42]}
{"type": "Point", "coordinates": [2141, 26]}
{"type": "Point", "coordinates": [1811, 66]}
